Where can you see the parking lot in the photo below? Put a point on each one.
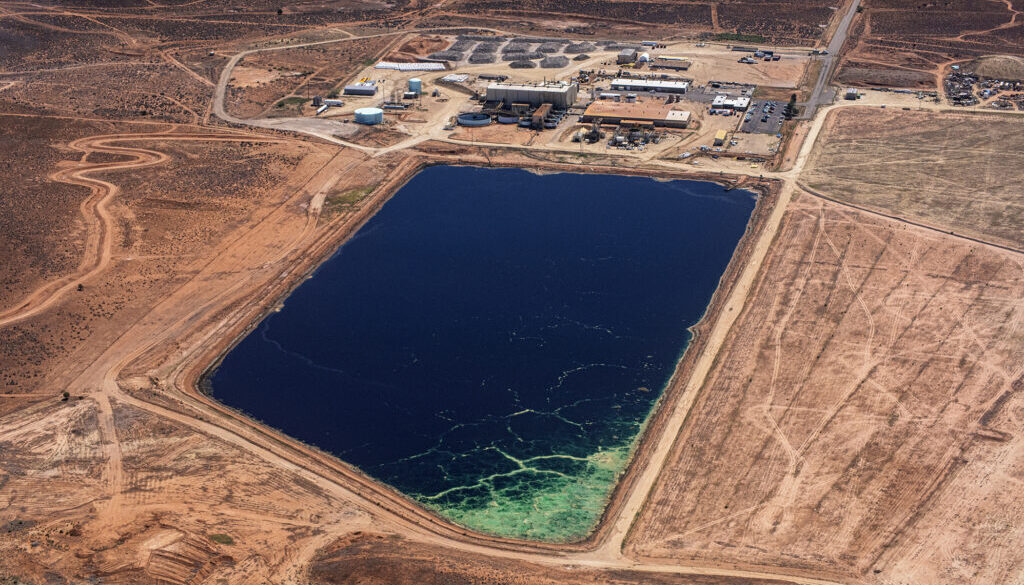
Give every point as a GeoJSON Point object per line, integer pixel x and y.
{"type": "Point", "coordinates": [761, 118]}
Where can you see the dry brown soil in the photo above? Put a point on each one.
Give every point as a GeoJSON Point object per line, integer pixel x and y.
{"type": "Point", "coordinates": [267, 77]}
{"type": "Point", "coordinates": [905, 43]}
{"type": "Point", "coordinates": [959, 172]}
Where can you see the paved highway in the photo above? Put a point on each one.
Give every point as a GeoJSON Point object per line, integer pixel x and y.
{"type": "Point", "coordinates": [822, 93]}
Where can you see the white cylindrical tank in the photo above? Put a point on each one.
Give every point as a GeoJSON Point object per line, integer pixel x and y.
{"type": "Point", "coordinates": [416, 85]}
{"type": "Point", "coordinates": [369, 115]}
{"type": "Point", "coordinates": [644, 57]}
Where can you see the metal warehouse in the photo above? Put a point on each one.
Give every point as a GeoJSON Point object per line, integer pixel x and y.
{"type": "Point", "coordinates": [361, 88]}
{"type": "Point", "coordinates": [561, 95]}
{"type": "Point", "coordinates": [626, 56]}
{"type": "Point", "coordinates": [623, 84]}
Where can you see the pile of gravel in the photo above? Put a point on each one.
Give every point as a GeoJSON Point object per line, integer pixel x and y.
{"type": "Point", "coordinates": [555, 62]}
{"type": "Point", "coordinates": [579, 48]}
{"type": "Point", "coordinates": [478, 58]}
{"type": "Point", "coordinates": [487, 47]}
{"type": "Point", "coordinates": [550, 47]}
{"type": "Point", "coordinates": [540, 40]}
{"type": "Point", "coordinates": [516, 48]}
{"type": "Point", "coordinates": [522, 56]}
{"type": "Point", "coordinates": [522, 65]}
{"type": "Point", "coordinates": [464, 45]}
{"type": "Point", "coordinates": [481, 38]}
{"type": "Point", "coordinates": [581, 57]}
{"type": "Point", "coordinates": [447, 56]}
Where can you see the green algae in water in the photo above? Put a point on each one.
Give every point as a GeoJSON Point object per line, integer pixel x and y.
{"type": "Point", "coordinates": [536, 502]}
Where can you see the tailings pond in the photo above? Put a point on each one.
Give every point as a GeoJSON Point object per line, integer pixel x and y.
{"type": "Point", "coordinates": [492, 342]}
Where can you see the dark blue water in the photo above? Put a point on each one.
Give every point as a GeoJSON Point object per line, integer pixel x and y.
{"type": "Point", "coordinates": [492, 341]}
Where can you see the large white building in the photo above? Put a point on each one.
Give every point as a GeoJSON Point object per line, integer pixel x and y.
{"type": "Point", "coordinates": [560, 95]}
{"type": "Point", "coordinates": [624, 84]}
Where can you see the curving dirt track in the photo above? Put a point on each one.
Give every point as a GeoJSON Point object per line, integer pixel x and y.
{"type": "Point", "coordinates": [94, 209]}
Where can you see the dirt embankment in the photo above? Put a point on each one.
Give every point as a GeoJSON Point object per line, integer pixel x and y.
{"type": "Point", "coordinates": [377, 559]}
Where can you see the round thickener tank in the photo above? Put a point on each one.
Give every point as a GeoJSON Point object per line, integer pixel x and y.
{"type": "Point", "coordinates": [416, 85]}
{"type": "Point", "coordinates": [369, 116]}
{"type": "Point", "coordinates": [474, 119]}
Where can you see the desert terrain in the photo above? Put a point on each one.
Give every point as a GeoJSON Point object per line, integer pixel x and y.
{"type": "Point", "coordinates": [848, 412]}
{"type": "Point", "coordinates": [955, 172]}
{"type": "Point", "coordinates": [896, 43]}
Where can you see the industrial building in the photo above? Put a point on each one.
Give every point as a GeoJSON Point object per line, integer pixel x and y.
{"type": "Point", "coordinates": [670, 62]}
{"type": "Point", "coordinates": [623, 84]}
{"type": "Point", "coordinates": [720, 137]}
{"type": "Point", "coordinates": [410, 66]}
{"type": "Point", "coordinates": [724, 102]}
{"type": "Point", "coordinates": [626, 56]}
{"type": "Point", "coordinates": [561, 95]}
{"type": "Point", "coordinates": [368, 88]}
{"type": "Point", "coordinates": [647, 112]}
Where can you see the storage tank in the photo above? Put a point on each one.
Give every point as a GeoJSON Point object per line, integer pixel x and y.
{"type": "Point", "coordinates": [473, 119]}
{"type": "Point", "coordinates": [369, 116]}
{"type": "Point", "coordinates": [416, 85]}
{"type": "Point", "coordinates": [644, 57]}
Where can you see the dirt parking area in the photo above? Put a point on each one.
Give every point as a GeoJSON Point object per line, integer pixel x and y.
{"type": "Point", "coordinates": [865, 418]}
{"type": "Point", "coordinates": [723, 66]}
{"type": "Point", "coordinates": [959, 172]}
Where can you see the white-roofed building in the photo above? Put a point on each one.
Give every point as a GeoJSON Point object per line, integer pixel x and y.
{"type": "Point", "coordinates": [561, 95]}
{"type": "Point", "coordinates": [724, 102]}
{"type": "Point", "coordinates": [624, 84]}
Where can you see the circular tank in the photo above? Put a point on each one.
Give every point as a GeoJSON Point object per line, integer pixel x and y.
{"type": "Point", "coordinates": [416, 85]}
{"type": "Point", "coordinates": [474, 119]}
{"type": "Point", "coordinates": [508, 119]}
{"type": "Point", "coordinates": [369, 116]}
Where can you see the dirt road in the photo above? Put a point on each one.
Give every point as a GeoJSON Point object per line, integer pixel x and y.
{"type": "Point", "coordinates": [95, 209]}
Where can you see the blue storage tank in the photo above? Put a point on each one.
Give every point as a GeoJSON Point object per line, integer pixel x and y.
{"type": "Point", "coordinates": [416, 85]}
{"type": "Point", "coordinates": [369, 116]}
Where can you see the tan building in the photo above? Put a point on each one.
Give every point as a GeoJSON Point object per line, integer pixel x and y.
{"type": "Point", "coordinates": [655, 112]}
